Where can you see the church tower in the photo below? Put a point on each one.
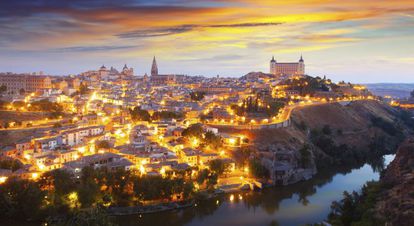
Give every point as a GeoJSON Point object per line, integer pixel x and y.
{"type": "Point", "coordinates": [154, 68]}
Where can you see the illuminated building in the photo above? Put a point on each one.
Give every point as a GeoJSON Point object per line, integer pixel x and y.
{"type": "Point", "coordinates": [287, 69]}
{"type": "Point", "coordinates": [158, 79]}
{"type": "Point", "coordinates": [26, 82]}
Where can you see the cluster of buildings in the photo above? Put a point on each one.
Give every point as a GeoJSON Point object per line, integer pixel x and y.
{"type": "Point", "coordinates": [98, 130]}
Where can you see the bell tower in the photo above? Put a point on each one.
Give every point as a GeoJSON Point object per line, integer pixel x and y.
{"type": "Point", "coordinates": [154, 68]}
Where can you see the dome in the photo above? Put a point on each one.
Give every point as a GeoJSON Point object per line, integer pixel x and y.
{"type": "Point", "coordinates": [273, 60]}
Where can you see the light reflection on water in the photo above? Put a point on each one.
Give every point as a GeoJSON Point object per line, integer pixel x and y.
{"type": "Point", "coordinates": [305, 202]}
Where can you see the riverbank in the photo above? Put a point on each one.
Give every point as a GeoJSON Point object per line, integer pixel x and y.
{"type": "Point", "coordinates": [297, 204]}
{"type": "Point", "coordinates": [129, 210]}
{"type": "Point", "coordinates": [170, 206]}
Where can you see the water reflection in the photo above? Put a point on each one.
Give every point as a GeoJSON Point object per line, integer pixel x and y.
{"type": "Point", "coordinates": [305, 202]}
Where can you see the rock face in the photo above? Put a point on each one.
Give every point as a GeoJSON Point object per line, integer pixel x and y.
{"type": "Point", "coordinates": [396, 204]}
{"type": "Point", "coordinates": [352, 138]}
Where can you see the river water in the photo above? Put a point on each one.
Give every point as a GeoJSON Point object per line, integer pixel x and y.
{"type": "Point", "coordinates": [299, 204]}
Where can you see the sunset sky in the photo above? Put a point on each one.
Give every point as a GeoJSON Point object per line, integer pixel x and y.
{"type": "Point", "coordinates": [352, 40]}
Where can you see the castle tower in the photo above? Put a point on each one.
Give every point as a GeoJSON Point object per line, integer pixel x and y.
{"type": "Point", "coordinates": [154, 67]}
{"type": "Point", "coordinates": [301, 66]}
{"type": "Point", "coordinates": [273, 66]}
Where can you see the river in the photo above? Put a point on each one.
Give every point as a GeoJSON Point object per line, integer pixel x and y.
{"type": "Point", "coordinates": [299, 204]}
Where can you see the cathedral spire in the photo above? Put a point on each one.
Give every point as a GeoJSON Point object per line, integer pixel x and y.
{"type": "Point", "coordinates": [154, 67]}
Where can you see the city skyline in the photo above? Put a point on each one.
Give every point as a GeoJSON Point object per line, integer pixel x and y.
{"type": "Point", "coordinates": [352, 41]}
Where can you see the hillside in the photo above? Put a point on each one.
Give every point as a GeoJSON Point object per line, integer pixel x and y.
{"type": "Point", "coordinates": [336, 133]}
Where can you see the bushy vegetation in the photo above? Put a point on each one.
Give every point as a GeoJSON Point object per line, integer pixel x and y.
{"type": "Point", "coordinates": [386, 126]}
{"type": "Point", "coordinates": [138, 114]}
{"type": "Point", "coordinates": [207, 179]}
{"type": "Point", "coordinates": [83, 89]}
{"type": "Point", "coordinates": [60, 193]}
{"type": "Point", "coordinates": [242, 155]}
{"type": "Point", "coordinates": [162, 115]}
{"type": "Point", "coordinates": [194, 130]}
{"type": "Point", "coordinates": [206, 138]}
{"type": "Point", "coordinates": [345, 154]}
{"type": "Point", "coordinates": [45, 105]}
{"type": "Point", "coordinates": [406, 117]}
{"type": "Point", "coordinates": [197, 95]}
{"type": "Point", "coordinates": [90, 217]}
{"type": "Point", "coordinates": [270, 106]}
{"type": "Point", "coordinates": [341, 154]}
{"type": "Point", "coordinates": [305, 159]}
{"type": "Point", "coordinates": [309, 85]}
{"type": "Point", "coordinates": [10, 164]}
{"type": "Point", "coordinates": [257, 169]}
{"type": "Point", "coordinates": [218, 166]}
{"type": "Point", "coordinates": [356, 208]}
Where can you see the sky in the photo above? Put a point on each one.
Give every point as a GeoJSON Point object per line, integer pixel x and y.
{"type": "Point", "coordinates": [353, 40]}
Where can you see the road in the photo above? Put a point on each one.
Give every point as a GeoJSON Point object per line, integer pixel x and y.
{"type": "Point", "coordinates": [286, 113]}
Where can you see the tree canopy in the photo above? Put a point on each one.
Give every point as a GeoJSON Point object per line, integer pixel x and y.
{"type": "Point", "coordinates": [197, 95]}
{"type": "Point", "coordinates": [138, 114]}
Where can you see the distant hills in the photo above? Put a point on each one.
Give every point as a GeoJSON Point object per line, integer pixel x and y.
{"type": "Point", "coordinates": [395, 90]}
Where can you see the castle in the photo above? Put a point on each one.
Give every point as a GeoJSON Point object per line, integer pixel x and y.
{"type": "Point", "coordinates": [287, 69]}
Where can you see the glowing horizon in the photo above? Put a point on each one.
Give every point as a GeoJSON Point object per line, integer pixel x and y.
{"type": "Point", "coordinates": [369, 41]}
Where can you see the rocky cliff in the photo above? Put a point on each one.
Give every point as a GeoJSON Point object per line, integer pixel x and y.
{"type": "Point", "coordinates": [332, 134]}
{"type": "Point", "coordinates": [396, 203]}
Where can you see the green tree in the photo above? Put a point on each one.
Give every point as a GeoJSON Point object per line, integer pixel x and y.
{"type": "Point", "coordinates": [242, 155]}
{"type": "Point", "coordinates": [61, 183]}
{"type": "Point", "coordinates": [197, 95]}
{"type": "Point", "coordinates": [202, 176]}
{"type": "Point", "coordinates": [194, 130]}
{"type": "Point", "coordinates": [90, 217]}
{"type": "Point", "coordinates": [46, 105]}
{"type": "Point", "coordinates": [162, 115]}
{"type": "Point", "coordinates": [212, 140]}
{"type": "Point", "coordinates": [257, 169]}
{"type": "Point", "coordinates": [83, 89]}
{"type": "Point", "coordinates": [10, 164]}
{"type": "Point", "coordinates": [274, 107]}
{"type": "Point", "coordinates": [21, 199]}
{"type": "Point", "coordinates": [212, 181]}
{"type": "Point", "coordinates": [137, 114]}
{"type": "Point", "coordinates": [88, 189]}
{"type": "Point", "coordinates": [217, 166]}
{"type": "Point", "coordinates": [305, 154]}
